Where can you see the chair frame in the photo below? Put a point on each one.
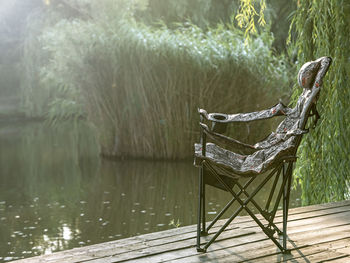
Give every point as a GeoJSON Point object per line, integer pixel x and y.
{"type": "Point", "coordinates": [310, 78]}
{"type": "Point", "coordinates": [282, 172]}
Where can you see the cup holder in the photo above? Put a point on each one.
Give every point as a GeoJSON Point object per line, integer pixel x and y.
{"type": "Point", "coordinates": [219, 124]}
{"type": "Point", "coordinates": [219, 117]}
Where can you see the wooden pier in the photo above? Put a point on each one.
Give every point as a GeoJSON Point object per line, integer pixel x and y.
{"type": "Point", "coordinates": [319, 233]}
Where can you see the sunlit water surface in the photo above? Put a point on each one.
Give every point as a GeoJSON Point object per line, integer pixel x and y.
{"type": "Point", "coordinates": [56, 193]}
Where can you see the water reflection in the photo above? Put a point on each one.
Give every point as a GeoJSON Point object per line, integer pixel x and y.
{"type": "Point", "coordinates": [56, 194]}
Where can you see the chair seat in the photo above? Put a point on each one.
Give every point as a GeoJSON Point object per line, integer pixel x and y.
{"type": "Point", "coordinates": [235, 165]}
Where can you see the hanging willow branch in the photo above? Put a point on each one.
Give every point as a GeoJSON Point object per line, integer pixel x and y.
{"type": "Point", "coordinates": [246, 17]}
{"type": "Point", "coordinates": [322, 29]}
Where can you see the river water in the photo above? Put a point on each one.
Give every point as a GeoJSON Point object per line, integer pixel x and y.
{"type": "Point", "coordinates": [56, 193]}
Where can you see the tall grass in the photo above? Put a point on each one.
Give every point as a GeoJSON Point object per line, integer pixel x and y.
{"type": "Point", "coordinates": [141, 85]}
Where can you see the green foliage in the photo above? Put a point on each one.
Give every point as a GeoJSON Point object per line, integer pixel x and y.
{"type": "Point", "coordinates": [141, 85]}
{"type": "Point", "coordinates": [36, 95]}
{"type": "Point", "coordinates": [203, 13]}
{"type": "Point", "coordinates": [246, 17]}
{"type": "Point", "coordinates": [278, 15]}
{"type": "Point", "coordinates": [322, 29]}
{"type": "Point", "coordinates": [42, 92]}
{"type": "Point", "coordinates": [206, 13]}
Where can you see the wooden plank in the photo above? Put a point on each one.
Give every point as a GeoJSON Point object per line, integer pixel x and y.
{"type": "Point", "coordinates": [132, 244]}
{"type": "Point", "coordinates": [223, 250]}
{"type": "Point", "coordinates": [179, 243]}
{"type": "Point", "coordinates": [339, 260]}
{"type": "Point", "coordinates": [319, 256]}
{"type": "Point", "coordinates": [313, 223]}
{"type": "Point", "coordinates": [325, 206]}
{"type": "Point", "coordinates": [304, 252]}
{"type": "Point", "coordinates": [321, 223]}
{"type": "Point", "coordinates": [314, 213]}
{"type": "Point", "coordinates": [136, 249]}
{"type": "Point", "coordinates": [345, 249]}
{"type": "Point", "coordinates": [324, 256]}
{"type": "Point", "coordinates": [303, 239]}
{"type": "Point", "coordinates": [192, 250]}
{"type": "Point", "coordinates": [184, 252]}
{"type": "Point", "coordinates": [189, 245]}
{"type": "Point", "coordinates": [97, 255]}
{"type": "Point", "coordinates": [323, 209]}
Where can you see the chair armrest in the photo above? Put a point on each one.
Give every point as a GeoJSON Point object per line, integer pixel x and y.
{"type": "Point", "coordinates": [277, 110]}
{"type": "Point", "coordinates": [225, 140]}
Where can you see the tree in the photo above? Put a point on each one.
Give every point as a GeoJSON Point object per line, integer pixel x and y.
{"type": "Point", "coordinates": [322, 29]}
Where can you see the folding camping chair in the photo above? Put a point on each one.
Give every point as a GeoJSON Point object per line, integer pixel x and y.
{"type": "Point", "coordinates": [270, 158]}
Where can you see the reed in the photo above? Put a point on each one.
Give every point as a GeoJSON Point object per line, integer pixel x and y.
{"type": "Point", "coordinates": [141, 85]}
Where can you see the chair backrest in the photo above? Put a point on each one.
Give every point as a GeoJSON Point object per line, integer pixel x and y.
{"type": "Point", "coordinates": [292, 128]}
{"type": "Point", "coordinates": [310, 78]}
{"type": "Point", "coordinates": [286, 139]}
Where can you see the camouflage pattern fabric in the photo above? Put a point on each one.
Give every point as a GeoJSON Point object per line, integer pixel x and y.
{"type": "Point", "coordinates": [279, 145]}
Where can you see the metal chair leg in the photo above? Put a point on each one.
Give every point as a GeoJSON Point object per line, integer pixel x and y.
{"type": "Point", "coordinates": [283, 194]}
{"type": "Point", "coordinates": [200, 200]}
{"type": "Point", "coordinates": [204, 230]}
{"type": "Point", "coordinates": [286, 193]}
{"type": "Point", "coordinates": [229, 204]}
